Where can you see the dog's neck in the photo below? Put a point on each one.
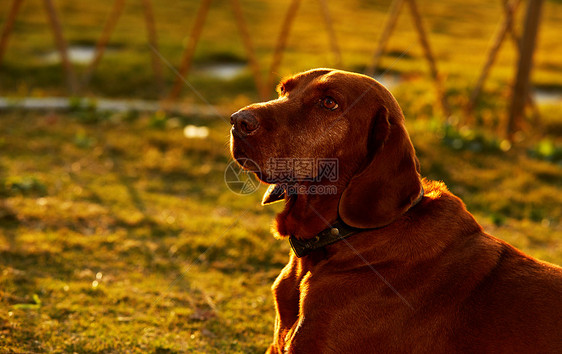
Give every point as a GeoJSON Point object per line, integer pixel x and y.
{"type": "Point", "coordinates": [306, 214]}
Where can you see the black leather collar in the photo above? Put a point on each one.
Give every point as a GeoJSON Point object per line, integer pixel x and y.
{"type": "Point", "coordinates": [336, 232]}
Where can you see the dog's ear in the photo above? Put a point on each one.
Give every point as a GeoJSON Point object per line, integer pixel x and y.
{"type": "Point", "coordinates": [389, 181]}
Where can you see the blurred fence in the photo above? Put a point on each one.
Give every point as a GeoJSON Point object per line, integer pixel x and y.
{"type": "Point", "coordinates": [520, 98]}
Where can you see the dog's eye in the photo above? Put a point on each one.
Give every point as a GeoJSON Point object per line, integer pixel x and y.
{"type": "Point", "coordinates": [282, 89]}
{"type": "Point", "coordinates": [329, 103]}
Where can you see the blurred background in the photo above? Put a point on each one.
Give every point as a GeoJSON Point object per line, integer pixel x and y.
{"type": "Point", "coordinates": [117, 230]}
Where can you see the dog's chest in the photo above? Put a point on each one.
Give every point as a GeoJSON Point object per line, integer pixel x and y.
{"type": "Point", "coordinates": [292, 284]}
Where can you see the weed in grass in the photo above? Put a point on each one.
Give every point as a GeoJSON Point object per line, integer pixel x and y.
{"type": "Point", "coordinates": [547, 150]}
{"type": "Point", "coordinates": [24, 185]}
{"type": "Point", "coordinates": [471, 139]}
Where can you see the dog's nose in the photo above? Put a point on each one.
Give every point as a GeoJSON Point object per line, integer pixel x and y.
{"type": "Point", "coordinates": [244, 122]}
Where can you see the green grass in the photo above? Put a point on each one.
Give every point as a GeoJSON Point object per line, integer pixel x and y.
{"type": "Point", "coordinates": [183, 263]}
{"type": "Point", "coordinates": [120, 234]}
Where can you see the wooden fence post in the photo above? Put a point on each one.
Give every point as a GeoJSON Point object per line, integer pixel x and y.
{"type": "Point", "coordinates": [153, 41]}
{"type": "Point", "coordinates": [429, 56]}
{"type": "Point", "coordinates": [61, 45]}
{"type": "Point", "coordinates": [395, 8]}
{"type": "Point", "coordinates": [510, 8]}
{"type": "Point", "coordinates": [104, 39]}
{"type": "Point", "coordinates": [16, 4]}
{"type": "Point", "coordinates": [530, 99]}
{"type": "Point", "coordinates": [245, 34]}
{"type": "Point", "coordinates": [522, 81]}
{"type": "Point", "coordinates": [331, 33]}
{"type": "Point", "coordinates": [189, 51]}
{"type": "Point", "coordinates": [282, 41]}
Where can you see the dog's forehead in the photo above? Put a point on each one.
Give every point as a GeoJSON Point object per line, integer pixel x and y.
{"type": "Point", "coordinates": [339, 80]}
{"type": "Point", "coordinates": [348, 78]}
{"type": "Point", "coordinates": [304, 78]}
{"type": "Point", "coordinates": [328, 76]}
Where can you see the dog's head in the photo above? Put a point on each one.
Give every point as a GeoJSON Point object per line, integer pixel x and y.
{"type": "Point", "coordinates": [323, 115]}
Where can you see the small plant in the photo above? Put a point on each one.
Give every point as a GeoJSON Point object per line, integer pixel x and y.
{"type": "Point", "coordinates": [82, 140]}
{"type": "Point", "coordinates": [158, 120]}
{"type": "Point", "coordinates": [86, 110]}
{"type": "Point", "coordinates": [27, 185]}
{"type": "Point", "coordinates": [80, 104]}
{"type": "Point", "coordinates": [470, 139]}
{"type": "Point", "coordinates": [547, 150]}
{"type": "Point", "coordinates": [35, 306]}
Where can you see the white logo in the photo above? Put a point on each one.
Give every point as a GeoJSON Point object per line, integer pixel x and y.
{"type": "Point", "coordinates": [239, 180]}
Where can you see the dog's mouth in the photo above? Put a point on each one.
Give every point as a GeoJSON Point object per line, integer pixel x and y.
{"type": "Point", "coordinates": [239, 153]}
{"type": "Point", "coordinates": [249, 165]}
{"type": "Point", "coordinates": [253, 162]}
{"type": "Point", "coordinates": [277, 188]}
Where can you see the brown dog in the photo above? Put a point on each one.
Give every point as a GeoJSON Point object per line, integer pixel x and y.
{"type": "Point", "coordinates": [383, 261]}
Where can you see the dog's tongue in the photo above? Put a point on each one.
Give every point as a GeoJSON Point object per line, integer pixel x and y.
{"type": "Point", "coordinates": [273, 194]}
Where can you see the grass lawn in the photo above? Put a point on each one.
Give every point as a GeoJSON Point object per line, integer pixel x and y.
{"type": "Point", "coordinates": [119, 234]}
